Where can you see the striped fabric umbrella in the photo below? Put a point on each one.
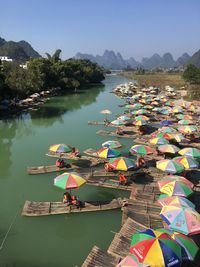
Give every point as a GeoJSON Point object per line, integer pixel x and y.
{"type": "Point", "coordinates": [188, 162]}
{"type": "Point", "coordinates": [179, 179]}
{"type": "Point", "coordinates": [140, 122]}
{"type": "Point", "coordinates": [169, 166]}
{"type": "Point", "coordinates": [156, 249]}
{"type": "Point", "coordinates": [186, 122]}
{"type": "Point", "coordinates": [123, 118]}
{"type": "Point", "coordinates": [166, 136]}
{"type": "Point", "coordinates": [122, 164]}
{"type": "Point", "coordinates": [184, 117]}
{"type": "Point", "coordinates": [60, 148]}
{"type": "Point", "coordinates": [158, 141]}
{"type": "Point", "coordinates": [118, 122]}
{"type": "Point", "coordinates": [111, 144]}
{"type": "Point", "coordinates": [165, 200]}
{"type": "Point", "coordinates": [141, 118]}
{"type": "Point", "coordinates": [188, 246]}
{"type": "Point", "coordinates": [181, 219]}
{"type": "Point", "coordinates": [108, 153]}
{"type": "Point", "coordinates": [174, 188]}
{"type": "Point", "coordinates": [190, 152]}
{"type": "Point", "coordinates": [178, 137]}
{"type": "Point", "coordinates": [69, 180]}
{"type": "Point", "coordinates": [188, 129]}
{"type": "Point", "coordinates": [168, 149]}
{"type": "Point", "coordinates": [140, 112]}
{"type": "Point", "coordinates": [131, 261]}
{"type": "Point", "coordinates": [167, 130]}
{"type": "Point", "coordinates": [141, 150]}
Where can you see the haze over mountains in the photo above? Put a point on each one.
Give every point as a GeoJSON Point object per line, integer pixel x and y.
{"type": "Point", "coordinates": [112, 60]}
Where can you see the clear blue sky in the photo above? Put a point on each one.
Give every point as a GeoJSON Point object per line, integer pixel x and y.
{"type": "Point", "coordinates": [135, 28]}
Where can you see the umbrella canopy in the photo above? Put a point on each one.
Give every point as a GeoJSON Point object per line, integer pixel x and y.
{"type": "Point", "coordinates": [174, 188]}
{"type": "Point", "coordinates": [165, 200]}
{"type": "Point", "coordinates": [118, 122]}
{"type": "Point", "coordinates": [190, 151]}
{"type": "Point", "coordinates": [168, 148]}
{"type": "Point", "coordinates": [108, 153]}
{"type": "Point", "coordinates": [177, 110]}
{"type": "Point", "coordinates": [167, 130]}
{"type": "Point", "coordinates": [140, 122]}
{"type": "Point", "coordinates": [184, 117]}
{"type": "Point", "coordinates": [111, 144]}
{"type": "Point", "coordinates": [60, 148]}
{"type": "Point", "coordinates": [123, 118]}
{"type": "Point", "coordinates": [181, 219]}
{"type": "Point", "coordinates": [188, 246]}
{"type": "Point", "coordinates": [169, 166]}
{"type": "Point", "coordinates": [131, 261]}
{"type": "Point", "coordinates": [69, 180]}
{"type": "Point", "coordinates": [188, 162]}
{"type": "Point", "coordinates": [122, 164]}
{"type": "Point", "coordinates": [179, 179]}
{"type": "Point", "coordinates": [141, 150]}
{"type": "Point", "coordinates": [156, 248]}
{"type": "Point", "coordinates": [188, 129]}
{"type": "Point", "coordinates": [158, 141]}
{"type": "Point", "coordinates": [140, 112]}
{"type": "Point", "coordinates": [106, 111]}
{"type": "Point", "coordinates": [166, 122]}
{"type": "Point", "coordinates": [141, 118]}
{"type": "Point", "coordinates": [166, 136]}
{"type": "Point", "coordinates": [185, 122]}
{"type": "Point", "coordinates": [178, 137]}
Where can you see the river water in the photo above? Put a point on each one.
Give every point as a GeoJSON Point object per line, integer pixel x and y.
{"type": "Point", "coordinates": [60, 240]}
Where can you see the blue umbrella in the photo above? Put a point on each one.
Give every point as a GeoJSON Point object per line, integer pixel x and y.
{"type": "Point", "coordinates": [166, 122]}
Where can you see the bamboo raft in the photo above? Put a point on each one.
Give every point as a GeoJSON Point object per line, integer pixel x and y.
{"type": "Point", "coordinates": [87, 160]}
{"type": "Point", "coordinates": [33, 208]}
{"type": "Point", "coordinates": [109, 133]}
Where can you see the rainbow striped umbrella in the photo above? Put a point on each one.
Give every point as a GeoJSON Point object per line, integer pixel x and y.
{"type": "Point", "coordinates": [118, 122]}
{"type": "Point", "coordinates": [107, 152]}
{"type": "Point", "coordinates": [158, 141]}
{"type": "Point", "coordinates": [179, 179]}
{"type": "Point", "coordinates": [60, 148]}
{"type": "Point", "coordinates": [184, 117]}
{"type": "Point", "coordinates": [131, 261]}
{"type": "Point", "coordinates": [174, 188]}
{"type": "Point", "coordinates": [141, 118]}
{"type": "Point", "coordinates": [168, 149]}
{"type": "Point", "coordinates": [123, 118]}
{"type": "Point", "coordinates": [148, 107]}
{"type": "Point", "coordinates": [188, 246]}
{"type": "Point", "coordinates": [69, 180]}
{"type": "Point", "coordinates": [169, 166]}
{"type": "Point", "coordinates": [167, 130]}
{"type": "Point", "coordinates": [190, 152]}
{"type": "Point", "coordinates": [177, 110]}
{"type": "Point", "coordinates": [134, 106]}
{"type": "Point", "coordinates": [185, 122]}
{"type": "Point", "coordinates": [140, 122]}
{"type": "Point", "coordinates": [156, 248]}
{"type": "Point", "coordinates": [111, 144]}
{"type": "Point", "coordinates": [188, 129]}
{"type": "Point", "coordinates": [141, 150]}
{"type": "Point", "coordinates": [188, 162]}
{"type": "Point", "coordinates": [178, 137]}
{"type": "Point", "coordinates": [166, 136]}
{"type": "Point", "coordinates": [140, 112]}
{"type": "Point", "coordinates": [181, 219]}
{"type": "Point", "coordinates": [165, 200]}
{"type": "Point", "coordinates": [122, 164]}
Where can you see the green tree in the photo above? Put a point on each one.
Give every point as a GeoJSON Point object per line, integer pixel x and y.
{"type": "Point", "coordinates": [192, 74]}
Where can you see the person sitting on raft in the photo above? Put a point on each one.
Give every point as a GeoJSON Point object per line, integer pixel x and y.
{"type": "Point", "coordinates": [67, 198]}
{"type": "Point", "coordinates": [141, 162]}
{"type": "Point", "coordinates": [75, 152]}
{"type": "Point", "coordinates": [60, 163]}
{"type": "Point", "coordinates": [122, 179]}
{"type": "Point", "coordinates": [108, 168]}
{"type": "Point", "coordinates": [75, 201]}
{"type": "Point", "coordinates": [119, 131]}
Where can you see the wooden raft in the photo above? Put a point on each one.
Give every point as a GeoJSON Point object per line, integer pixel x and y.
{"type": "Point", "coordinates": [109, 133]}
{"type": "Point", "coordinates": [33, 208]}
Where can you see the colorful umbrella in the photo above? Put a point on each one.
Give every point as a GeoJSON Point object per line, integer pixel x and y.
{"type": "Point", "coordinates": [140, 112]}
{"type": "Point", "coordinates": [184, 117]}
{"type": "Point", "coordinates": [131, 261]}
{"type": "Point", "coordinates": [174, 188]}
{"type": "Point", "coordinates": [108, 153]}
{"type": "Point", "coordinates": [142, 118]}
{"type": "Point", "coordinates": [112, 144]}
{"type": "Point", "coordinates": [140, 122]}
{"type": "Point", "coordinates": [190, 151]}
{"type": "Point", "coordinates": [168, 149]}
{"type": "Point", "coordinates": [60, 148]}
{"type": "Point", "coordinates": [166, 136]}
{"type": "Point", "coordinates": [177, 110]}
{"type": "Point", "coordinates": [188, 162]}
{"type": "Point", "coordinates": [158, 141]}
{"type": "Point", "coordinates": [166, 122]}
{"type": "Point", "coordinates": [69, 180]}
{"type": "Point", "coordinates": [169, 166]}
{"type": "Point", "coordinates": [118, 122]}
{"type": "Point", "coordinates": [181, 219]}
{"type": "Point", "coordinates": [165, 200]}
{"type": "Point", "coordinates": [188, 129]}
{"type": "Point", "coordinates": [178, 137]}
{"type": "Point", "coordinates": [141, 150]}
{"type": "Point", "coordinates": [167, 130]}
{"type": "Point", "coordinates": [156, 248]}
{"type": "Point", "coordinates": [188, 246]}
{"type": "Point", "coordinates": [106, 111]}
{"type": "Point", "coordinates": [123, 118]}
{"type": "Point", "coordinates": [185, 122]}
{"type": "Point", "coordinates": [122, 164]}
{"type": "Point", "coordinates": [179, 179]}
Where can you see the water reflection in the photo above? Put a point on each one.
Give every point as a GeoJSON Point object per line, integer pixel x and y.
{"type": "Point", "coordinates": [58, 106]}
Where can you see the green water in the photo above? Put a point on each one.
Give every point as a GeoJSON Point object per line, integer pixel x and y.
{"type": "Point", "coordinates": [62, 240]}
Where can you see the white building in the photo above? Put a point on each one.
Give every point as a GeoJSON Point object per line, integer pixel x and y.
{"type": "Point", "coordinates": [5, 58]}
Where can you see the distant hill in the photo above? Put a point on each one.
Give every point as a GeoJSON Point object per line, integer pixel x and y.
{"type": "Point", "coordinates": [112, 60]}
{"type": "Point", "coordinates": [195, 59]}
{"type": "Point", "coordinates": [17, 50]}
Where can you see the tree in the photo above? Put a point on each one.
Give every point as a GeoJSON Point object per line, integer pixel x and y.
{"type": "Point", "coordinates": [192, 74]}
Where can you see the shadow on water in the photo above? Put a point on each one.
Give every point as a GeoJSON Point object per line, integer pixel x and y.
{"type": "Point", "coordinates": [58, 106]}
